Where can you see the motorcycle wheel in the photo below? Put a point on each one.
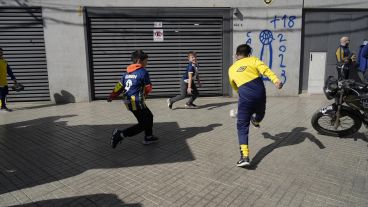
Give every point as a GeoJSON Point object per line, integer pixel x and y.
{"type": "Point", "coordinates": [324, 123]}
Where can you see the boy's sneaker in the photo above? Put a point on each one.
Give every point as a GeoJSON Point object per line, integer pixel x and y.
{"type": "Point", "coordinates": [190, 105]}
{"type": "Point", "coordinates": [169, 104]}
{"type": "Point", "coordinates": [149, 140]}
{"type": "Point", "coordinates": [193, 105]}
{"type": "Point", "coordinates": [244, 161]}
{"type": "Point", "coordinates": [254, 123]}
{"type": "Point", "coordinates": [116, 138]}
{"type": "Point", "coordinates": [5, 109]}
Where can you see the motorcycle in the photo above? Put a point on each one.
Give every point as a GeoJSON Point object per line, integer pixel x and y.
{"type": "Point", "coordinates": [350, 108]}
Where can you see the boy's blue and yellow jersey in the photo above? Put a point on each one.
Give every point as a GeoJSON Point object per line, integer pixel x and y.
{"type": "Point", "coordinates": [4, 70]}
{"type": "Point", "coordinates": [191, 68]}
{"type": "Point", "coordinates": [248, 71]}
{"type": "Point", "coordinates": [134, 84]}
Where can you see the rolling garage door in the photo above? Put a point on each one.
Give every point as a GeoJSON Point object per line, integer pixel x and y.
{"type": "Point", "coordinates": [21, 37]}
{"type": "Point", "coordinates": [114, 36]}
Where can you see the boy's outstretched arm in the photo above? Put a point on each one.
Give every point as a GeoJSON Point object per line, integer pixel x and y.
{"type": "Point", "coordinates": [266, 71]}
{"type": "Point", "coordinates": [11, 74]}
{"type": "Point", "coordinates": [147, 89]}
{"type": "Point", "coordinates": [116, 92]}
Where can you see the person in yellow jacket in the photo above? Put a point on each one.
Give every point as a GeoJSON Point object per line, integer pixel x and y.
{"type": "Point", "coordinates": [344, 57]}
{"type": "Point", "coordinates": [245, 77]}
{"type": "Point", "coordinates": [4, 71]}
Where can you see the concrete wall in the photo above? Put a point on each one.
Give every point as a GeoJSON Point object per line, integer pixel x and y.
{"type": "Point", "coordinates": [66, 54]}
{"type": "Point", "coordinates": [66, 45]}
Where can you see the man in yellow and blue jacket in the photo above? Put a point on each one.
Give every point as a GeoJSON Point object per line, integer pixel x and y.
{"type": "Point", "coordinates": [135, 84]}
{"type": "Point", "coordinates": [4, 71]}
{"type": "Point", "coordinates": [344, 57]}
{"type": "Point", "coordinates": [245, 77]}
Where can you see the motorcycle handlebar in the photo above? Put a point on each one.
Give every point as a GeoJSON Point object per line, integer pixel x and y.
{"type": "Point", "coordinates": [350, 83]}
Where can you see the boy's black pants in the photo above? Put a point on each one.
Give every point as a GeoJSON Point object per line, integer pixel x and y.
{"type": "Point", "coordinates": [183, 92]}
{"type": "Point", "coordinates": [145, 123]}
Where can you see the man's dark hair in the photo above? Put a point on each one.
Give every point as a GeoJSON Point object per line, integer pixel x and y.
{"type": "Point", "coordinates": [244, 50]}
{"type": "Point", "coordinates": [138, 55]}
{"type": "Point", "coordinates": [1, 49]}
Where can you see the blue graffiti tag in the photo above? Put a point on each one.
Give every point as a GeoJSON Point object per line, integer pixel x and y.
{"type": "Point", "coordinates": [274, 21]}
{"type": "Point", "coordinates": [283, 75]}
{"type": "Point", "coordinates": [287, 21]}
{"type": "Point", "coordinates": [282, 50]}
{"type": "Point", "coordinates": [266, 38]}
{"type": "Point", "coordinates": [249, 40]}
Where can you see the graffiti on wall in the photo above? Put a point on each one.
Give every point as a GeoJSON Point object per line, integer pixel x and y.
{"type": "Point", "coordinates": [268, 38]}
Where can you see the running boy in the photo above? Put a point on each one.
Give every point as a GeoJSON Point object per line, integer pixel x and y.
{"type": "Point", "coordinates": [245, 78]}
{"type": "Point", "coordinates": [135, 84]}
{"type": "Point", "coordinates": [187, 85]}
{"type": "Point", "coordinates": [4, 70]}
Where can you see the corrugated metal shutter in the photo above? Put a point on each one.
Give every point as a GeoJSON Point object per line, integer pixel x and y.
{"type": "Point", "coordinates": [114, 38]}
{"type": "Point", "coordinates": [21, 37]}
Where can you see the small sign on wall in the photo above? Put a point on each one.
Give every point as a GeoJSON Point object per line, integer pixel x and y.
{"type": "Point", "coordinates": [157, 24]}
{"type": "Point", "coordinates": [158, 35]}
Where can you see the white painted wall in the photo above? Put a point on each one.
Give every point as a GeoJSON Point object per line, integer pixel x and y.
{"type": "Point", "coordinates": [284, 49]}
{"type": "Point", "coordinates": [66, 53]}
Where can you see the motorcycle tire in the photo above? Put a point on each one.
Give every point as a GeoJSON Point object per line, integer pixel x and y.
{"type": "Point", "coordinates": [345, 112]}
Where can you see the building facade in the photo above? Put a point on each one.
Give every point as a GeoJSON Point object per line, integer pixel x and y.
{"type": "Point", "coordinates": [75, 50]}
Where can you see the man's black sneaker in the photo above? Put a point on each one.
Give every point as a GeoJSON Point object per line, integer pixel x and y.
{"type": "Point", "coordinates": [254, 123]}
{"type": "Point", "coordinates": [169, 104]}
{"type": "Point", "coordinates": [244, 161]}
{"type": "Point", "coordinates": [115, 138]}
{"type": "Point", "coordinates": [149, 140]}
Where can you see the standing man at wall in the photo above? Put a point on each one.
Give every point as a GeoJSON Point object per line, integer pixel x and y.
{"type": "Point", "coordinates": [245, 78]}
{"type": "Point", "coordinates": [4, 70]}
{"type": "Point", "coordinates": [344, 57]}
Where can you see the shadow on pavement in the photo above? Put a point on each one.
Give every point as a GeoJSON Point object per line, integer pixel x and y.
{"type": "Point", "coordinates": [88, 200]}
{"type": "Point", "coordinates": [44, 150]}
{"type": "Point", "coordinates": [356, 136]}
{"type": "Point", "coordinates": [296, 136]}
{"type": "Point", "coordinates": [35, 107]}
{"type": "Point", "coordinates": [207, 106]}
{"type": "Point", "coordinates": [64, 97]}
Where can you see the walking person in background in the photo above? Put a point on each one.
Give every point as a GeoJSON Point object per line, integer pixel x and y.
{"type": "Point", "coordinates": [187, 85]}
{"type": "Point", "coordinates": [4, 90]}
{"type": "Point", "coordinates": [245, 78]}
{"type": "Point", "coordinates": [135, 84]}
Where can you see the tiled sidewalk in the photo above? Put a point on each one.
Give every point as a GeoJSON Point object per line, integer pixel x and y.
{"type": "Point", "coordinates": [60, 156]}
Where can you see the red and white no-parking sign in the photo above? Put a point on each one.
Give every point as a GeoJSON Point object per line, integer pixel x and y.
{"type": "Point", "coordinates": [158, 35]}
